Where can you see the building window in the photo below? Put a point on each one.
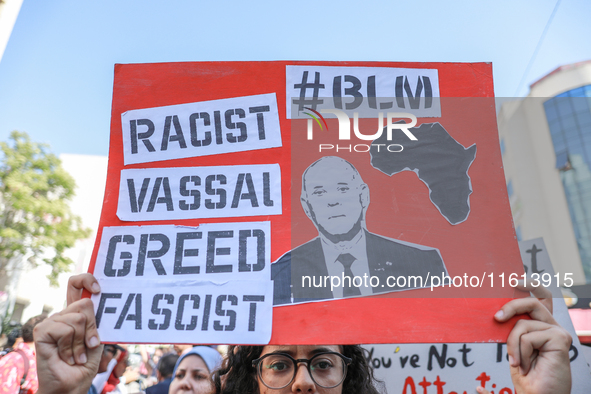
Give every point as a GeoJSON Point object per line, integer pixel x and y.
{"type": "Point", "coordinates": [502, 142]}
{"type": "Point", "coordinates": [510, 189]}
{"type": "Point", "coordinates": [518, 233]}
{"type": "Point", "coordinates": [569, 120]}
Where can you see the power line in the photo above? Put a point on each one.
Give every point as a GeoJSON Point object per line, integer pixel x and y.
{"type": "Point", "coordinates": [533, 56]}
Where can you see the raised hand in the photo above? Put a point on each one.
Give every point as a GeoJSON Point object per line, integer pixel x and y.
{"type": "Point", "coordinates": [538, 349]}
{"type": "Point", "coordinates": [68, 345]}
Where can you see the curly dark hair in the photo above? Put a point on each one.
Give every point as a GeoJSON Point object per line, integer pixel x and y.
{"type": "Point", "coordinates": [29, 326]}
{"type": "Point", "coordinates": [238, 376]}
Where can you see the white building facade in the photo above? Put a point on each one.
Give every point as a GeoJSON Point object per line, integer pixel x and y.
{"type": "Point", "coordinates": [546, 145]}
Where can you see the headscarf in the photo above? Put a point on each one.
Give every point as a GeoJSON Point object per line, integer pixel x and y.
{"type": "Point", "coordinates": [210, 356]}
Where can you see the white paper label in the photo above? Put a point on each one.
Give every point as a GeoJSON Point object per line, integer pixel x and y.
{"type": "Point", "coordinates": [198, 129]}
{"type": "Point", "coordinates": [366, 91]}
{"type": "Point", "coordinates": [186, 312]}
{"type": "Point", "coordinates": [210, 252]}
{"type": "Point", "coordinates": [199, 192]}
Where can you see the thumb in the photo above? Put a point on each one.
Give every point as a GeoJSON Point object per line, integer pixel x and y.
{"type": "Point", "coordinates": [94, 359]}
{"type": "Point", "coordinates": [482, 390]}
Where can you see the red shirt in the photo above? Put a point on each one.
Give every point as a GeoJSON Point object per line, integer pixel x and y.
{"type": "Point", "coordinates": [12, 369]}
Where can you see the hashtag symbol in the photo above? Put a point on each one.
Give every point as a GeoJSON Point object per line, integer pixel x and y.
{"type": "Point", "coordinates": [304, 86]}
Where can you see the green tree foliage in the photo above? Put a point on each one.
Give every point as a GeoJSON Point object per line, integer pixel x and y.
{"type": "Point", "coordinates": [36, 224]}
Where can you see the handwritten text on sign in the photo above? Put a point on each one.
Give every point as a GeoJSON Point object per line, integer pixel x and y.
{"type": "Point", "coordinates": [365, 90]}
{"type": "Point", "coordinates": [199, 192]}
{"type": "Point", "coordinates": [199, 129]}
{"type": "Point", "coordinates": [212, 251]}
{"type": "Point", "coordinates": [185, 312]}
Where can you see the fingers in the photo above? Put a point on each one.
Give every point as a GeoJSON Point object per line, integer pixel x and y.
{"type": "Point", "coordinates": [86, 307]}
{"type": "Point", "coordinates": [529, 337]}
{"type": "Point", "coordinates": [57, 335]}
{"type": "Point", "coordinates": [74, 331]}
{"type": "Point", "coordinates": [522, 354]}
{"type": "Point", "coordinates": [77, 283]}
{"type": "Point", "coordinates": [532, 306]}
{"type": "Point", "coordinates": [59, 367]}
{"type": "Point", "coordinates": [69, 336]}
{"type": "Point", "coordinates": [94, 358]}
{"type": "Point", "coordinates": [519, 350]}
{"type": "Point", "coordinates": [540, 292]}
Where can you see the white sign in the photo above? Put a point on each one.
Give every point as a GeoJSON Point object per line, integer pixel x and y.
{"type": "Point", "coordinates": [198, 129]}
{"type": "Point", "coordinates": [184, 312]}
{"type": "Point", "coordinates": [366, 91]}
{"type": "Point", "coordinates": [199, 192]}
{"type": "Point", "coordinates": [446, 368]}
{"type": "Point", "coordinates": [206, 284]}
{"type": "Point", "coordinates": [212, 252]}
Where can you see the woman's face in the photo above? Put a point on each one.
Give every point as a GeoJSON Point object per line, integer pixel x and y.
{"type": "Point", "coordinates": [302, 382]}
{"type": "Point", "coordinates": [192, 376]}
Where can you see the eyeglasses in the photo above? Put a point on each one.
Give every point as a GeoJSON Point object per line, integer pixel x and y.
{"type": "Point", "coordinates": [278, 370]}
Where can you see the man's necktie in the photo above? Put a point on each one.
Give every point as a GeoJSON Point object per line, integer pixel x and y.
{"type": "Point", "coordinates": [346, 259]}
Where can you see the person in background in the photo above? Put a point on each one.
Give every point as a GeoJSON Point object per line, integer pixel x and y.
{"type": "Point", "coordinates": [18, 369]}
{"type": "Point", "coordinates": [192, 371]}
{"type": "Point", "coordinates": [113, 383]}
{"type": "Point", "coordinates": [158, 353]}
{"type": "Point", "coordinates": [107, 363]}
{"type": "Point", "coordinates": [147, 366]}
{"type": "Point", "coordinates": [164, 371]}
{"type": "Point", "coordinates": [538, 355]}
{"type": "Point", "coordinates": [181, 349]}
{"type": "Point", "coordinates": [13, 339]}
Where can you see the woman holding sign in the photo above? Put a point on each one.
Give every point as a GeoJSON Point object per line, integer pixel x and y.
{"type": "Point", "coordinates": [68, 353]}
{"type": "Point", "coordinates": [278, 369]}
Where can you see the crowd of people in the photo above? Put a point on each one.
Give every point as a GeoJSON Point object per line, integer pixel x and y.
{"type": "Point", "coordinates": [152, 372]}
{"type": "Point", "coordinates": [70, 359]}
{"type": "Point", "coordinates": [18, 365]}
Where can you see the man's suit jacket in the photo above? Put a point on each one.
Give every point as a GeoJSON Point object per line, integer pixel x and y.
{"type": "Point", "coordinates": [386, 257]}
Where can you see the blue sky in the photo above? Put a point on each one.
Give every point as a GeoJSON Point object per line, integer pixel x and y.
{"type": "Point", "coordinates": [56, 74]}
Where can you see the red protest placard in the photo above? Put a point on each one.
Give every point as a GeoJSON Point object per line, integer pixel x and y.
{"type": "Point", "coordinates": [222, 148]}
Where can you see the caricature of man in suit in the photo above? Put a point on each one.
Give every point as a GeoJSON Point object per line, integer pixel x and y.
{"type": "Point", "coordinates": [335, 199]}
